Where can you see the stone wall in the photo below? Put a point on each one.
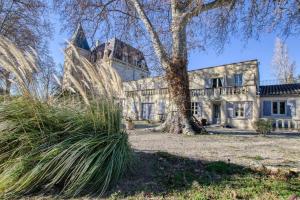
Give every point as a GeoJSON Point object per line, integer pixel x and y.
{"type": "Point", "coordinates": [153, 91]}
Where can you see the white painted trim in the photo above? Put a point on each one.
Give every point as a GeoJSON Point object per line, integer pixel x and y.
{"type": "Point", "coordinates": [278, 108]}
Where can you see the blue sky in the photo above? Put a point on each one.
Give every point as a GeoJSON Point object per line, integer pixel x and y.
{"type": "Point", "coordinates": [235, 51]}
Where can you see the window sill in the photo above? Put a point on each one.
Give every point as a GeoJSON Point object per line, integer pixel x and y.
{"type": "Point", "coordinates": [239, 118]}
{"type": "Point", "coordinates": [278, 116]}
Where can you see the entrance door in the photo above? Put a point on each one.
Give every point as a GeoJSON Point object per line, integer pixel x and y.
{"type": "Point", "coordinates": [147, 111]}
{"type": "Point", "coordinates": [216, 113]}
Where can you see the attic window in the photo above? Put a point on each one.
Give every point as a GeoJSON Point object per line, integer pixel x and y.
{"type": "Point", "coordinates": [125, 57]}
{"type": "Point", "coordinates": [139, 65]}
{"type": "Point", "coordinates": [142, 64]}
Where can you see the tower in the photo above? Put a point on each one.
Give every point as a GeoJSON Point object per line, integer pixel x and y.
{"type": "Point", "coordinates": [128, 61]}
{"type": "Point", "coordinates": [80, 42]}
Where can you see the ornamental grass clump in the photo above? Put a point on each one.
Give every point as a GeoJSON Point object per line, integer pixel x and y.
{"type": "Point", "coordinates": [64, 146]}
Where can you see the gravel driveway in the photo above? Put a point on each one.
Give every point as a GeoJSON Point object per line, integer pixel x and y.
{"type": "Point", "coordinates": [278, 151]}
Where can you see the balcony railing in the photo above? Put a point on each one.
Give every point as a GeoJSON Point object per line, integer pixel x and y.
{"type": "Point", "coordinates": [221, 91]}
{"type": "Point", "coordinates": [286, 124]}
{"type": "Point", "coordinates": [216, 92]}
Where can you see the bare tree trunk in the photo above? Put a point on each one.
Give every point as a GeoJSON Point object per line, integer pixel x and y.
{"type": "Point", "coordinates": [177, 79]}
{"type": "Point", "coordinates": [179, 120]}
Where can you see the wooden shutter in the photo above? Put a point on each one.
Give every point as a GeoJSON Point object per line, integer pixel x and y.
{"type": "Point", "coordinates": [229, 109]}
{"type": "Point", "coordinates": [267, 108]}
{"type": "Point", "coordinates": [133, 107]}
{"type": "Point", "coordinates": [225, 81]}
{"type": "Point", "coordinates": [207, 83]}
{"type": "Point", "coordinates": [149, 114]}
{"type": "Point", "coordinates": [230, 81]}
{"type": "Point", "coordinates": [199, 109]}
{"type": "Point", "coordinates": [162, 106]}
{"type": "Point", "coordinates": [291, 108]}
{"type": "Point", "coordinates": [248, 109]}
{"type": "Point", "coordinates": [241, 79]}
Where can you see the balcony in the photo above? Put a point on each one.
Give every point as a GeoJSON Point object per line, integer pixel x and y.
{"type": "Point", "coordinates": [212, 92]}
{"type": "Point", "coordinates": [221, 91]}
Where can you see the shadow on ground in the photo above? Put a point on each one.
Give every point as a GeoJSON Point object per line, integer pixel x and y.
{"type": "Point", "coordinates": [162, 175]}
{"type": "Point", "coordinates": [159, 174]}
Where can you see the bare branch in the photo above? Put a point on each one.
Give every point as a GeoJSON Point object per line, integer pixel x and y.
{"type": "Point", "coordinates": [158, 47]}
{"type": "Point", "coordinates": [200, 7]}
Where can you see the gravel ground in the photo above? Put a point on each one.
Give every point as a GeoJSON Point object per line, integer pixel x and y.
{"type": "Point", "coordinates": [281, 151]}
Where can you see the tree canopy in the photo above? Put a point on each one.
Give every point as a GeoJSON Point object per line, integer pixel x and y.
{"type": "Point", "coordinates": [208, 22]}
{"type": "Point", "coordinates": [170, 29]}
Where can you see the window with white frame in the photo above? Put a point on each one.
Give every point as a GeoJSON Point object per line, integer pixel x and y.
{"type": "Point", "coordinates": [238, 80]}
{"type": "Point", "coordinates": [278, 107]}
{"type": "Point", "coordinates": [195, 108]}
{"type": "Point", "coordinates": [217, 82]}
{"type": "Point", "coordinates": [239, 109]}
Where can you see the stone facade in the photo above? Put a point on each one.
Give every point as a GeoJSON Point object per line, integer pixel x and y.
{"type": "Point", "coordinates": [283, 109]}
{"type": "Point", "coordinates": [224, 95]}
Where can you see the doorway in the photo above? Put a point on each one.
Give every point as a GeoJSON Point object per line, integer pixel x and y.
{"type": "Point", "coordinates": [216, 118]}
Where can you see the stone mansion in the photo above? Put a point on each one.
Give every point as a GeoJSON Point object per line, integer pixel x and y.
{"type": "Point", "coordinates": [228, 95]}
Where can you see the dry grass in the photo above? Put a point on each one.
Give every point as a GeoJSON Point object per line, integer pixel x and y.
{"type": "Point", "coordinates": [99, 79]}
{"type": "Point", "coordinates": [21, 64]}
{"type": "Point", "coordinates": [71, 145]}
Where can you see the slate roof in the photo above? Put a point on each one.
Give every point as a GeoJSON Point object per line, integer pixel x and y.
{"type": "Point", "coordinates": [282, 89]}
{"type": "Point", "coordinates": [118, 48]}
{"type": "Point", "coordinates": [79, 39]}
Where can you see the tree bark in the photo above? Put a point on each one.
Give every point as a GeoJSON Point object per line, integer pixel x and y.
{"type": "Point", "coordinates": [177, 79]}
{"type": "Point", "coordinates": [180, 119]}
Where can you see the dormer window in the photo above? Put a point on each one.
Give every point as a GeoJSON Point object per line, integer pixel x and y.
{"type": "Point", "coordinates": [125, 57]}
{"type": "Point", "coordinates": [139, 64]}
{"type": "Point", "coordinates": [142, 64]}
{"type": "Point", "coordinates": [135, 62]}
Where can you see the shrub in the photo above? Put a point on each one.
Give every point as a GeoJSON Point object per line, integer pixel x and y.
{"type": "Point", "coordinates": [50, 147]}
{"type": "Point", "coordinates": [263, 126]}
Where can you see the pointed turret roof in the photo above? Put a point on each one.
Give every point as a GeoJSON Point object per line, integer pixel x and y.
{"type": "Point", "coordinates": [79, 39]}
